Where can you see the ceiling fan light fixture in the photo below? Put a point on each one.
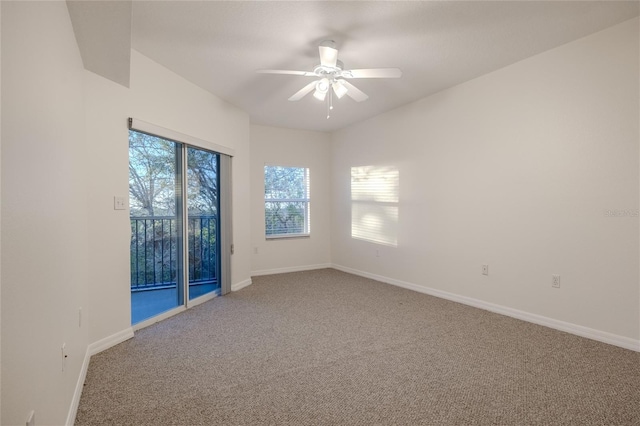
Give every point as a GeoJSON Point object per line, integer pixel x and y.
{"type": "Point", "coordinates": [319, 95]}
{"type": "Point", "coordinates": [339, 89]}
{"type": "Point", "coordinates": [322, 87]}
{"type": "Point", "coordinates": [332, 79]}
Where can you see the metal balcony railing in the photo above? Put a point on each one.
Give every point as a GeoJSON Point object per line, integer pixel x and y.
{"type": "Point", "coordinates": [154, 251]}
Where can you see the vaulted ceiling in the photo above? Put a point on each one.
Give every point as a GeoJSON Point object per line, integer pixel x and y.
{"type": "Point", "coordinates": [218, 45]}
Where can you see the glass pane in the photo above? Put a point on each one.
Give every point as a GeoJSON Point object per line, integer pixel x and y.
{"type": "Point", "coordinates": [284, 183]}
{"type": "Point", "coordinates": [203, 222]}
{"type": "Point", "coordinates": [155, 215]}
{"type": "Point", "coordinates": [286, 196]}
{"type": "Point", "coordinates": [285, 217]}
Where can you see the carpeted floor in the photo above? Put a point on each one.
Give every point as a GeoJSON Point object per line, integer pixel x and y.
{"type": "Point", "coordinates": [328, 348]}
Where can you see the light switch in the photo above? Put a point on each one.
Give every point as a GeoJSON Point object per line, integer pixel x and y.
{"type": "Point", "coordinates": [119, 203]}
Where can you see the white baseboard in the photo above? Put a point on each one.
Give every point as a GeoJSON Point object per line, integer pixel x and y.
{"type": "Point", "coordinates": [290, 269]}
{"type": "Point", "coordinates": [110, 341]}
{"type": "Point", "coordinates": [241, 285]}
{"type": "Point", "coordinates": [75, 402]}
{"type": "Point", "coordinates": [578, 330]}
{"type": "Point", "coordinates": [93, 349]}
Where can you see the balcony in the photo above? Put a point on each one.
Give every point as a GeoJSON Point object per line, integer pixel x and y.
{"type": "Point", "coordinates": [156, 262]}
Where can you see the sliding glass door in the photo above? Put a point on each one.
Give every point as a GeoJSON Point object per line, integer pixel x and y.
{"type": "Point", "coordinates": [175, 224]}
{"type": "Point", "coordinates": [203, 205]}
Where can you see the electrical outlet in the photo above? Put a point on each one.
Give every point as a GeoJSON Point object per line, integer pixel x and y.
{"type": "Point", "coordinates": [485, 269]}
{"type": "Point", "coordinates": [255, 250]}
{"type": "Point", "coordinates": [80, 317]}
{"type": "Point", "coordinates": [555, 281]}
{"type": "Point", "coordinates": [119, 203]}
{"type": "Point", "coordinates": [377, 253]}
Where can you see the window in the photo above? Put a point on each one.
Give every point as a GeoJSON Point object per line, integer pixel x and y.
{"type": "Point", "coordinates": [286, 201]}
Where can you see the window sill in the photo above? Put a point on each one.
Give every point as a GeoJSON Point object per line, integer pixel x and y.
{"type": "Point", "coordinates": [286, 236]}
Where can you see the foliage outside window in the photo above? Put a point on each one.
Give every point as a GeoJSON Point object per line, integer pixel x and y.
{"type": "Point", "coordinates": [286, 201]}
{"type": "Point", "coordinates": [155, 168]}
{"type": "Point", "coordinates": [152, 177]}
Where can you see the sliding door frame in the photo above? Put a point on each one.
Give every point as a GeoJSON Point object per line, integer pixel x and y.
{"type": "Point", "coordinates": [224, 230]}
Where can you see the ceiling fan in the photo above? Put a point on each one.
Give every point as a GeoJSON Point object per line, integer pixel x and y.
{"type": "Point", "coordinates": [332, 77]}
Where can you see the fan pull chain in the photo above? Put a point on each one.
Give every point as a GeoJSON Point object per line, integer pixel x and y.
{"type": "Point", "coordinates": [329, 103]}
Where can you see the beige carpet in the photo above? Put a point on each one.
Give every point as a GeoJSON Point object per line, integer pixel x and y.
{"type": "Point", "coordinates": [328, 348]}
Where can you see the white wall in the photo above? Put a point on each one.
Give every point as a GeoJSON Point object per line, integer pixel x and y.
{"type": "Point", "coordinates": [514, 169]}
{"type": "Point", "coordinates": [106, 113]}
{"type": "Point", "coordinates": [161, 97]}
{"type": "Point", "coordinates": [65, 156]}
{"type": "Point", "coordinates": [287, 147]}
{"type": "Point", "coordinates": [44, 212]}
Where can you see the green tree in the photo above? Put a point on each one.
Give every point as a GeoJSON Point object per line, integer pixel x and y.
{"type": "Point", "coordinates": [152, 181]}
{"type": "Point", "coordinates": [202, 172]}
{"type": "Point", "coordinates": [153, 163]}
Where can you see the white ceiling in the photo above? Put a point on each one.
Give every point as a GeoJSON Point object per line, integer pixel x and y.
{"type": "Point", "coordinates": [437, 44]}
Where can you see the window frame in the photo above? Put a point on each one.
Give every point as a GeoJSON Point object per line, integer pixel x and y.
{"type": "Point", "coordinates": [306, 200]}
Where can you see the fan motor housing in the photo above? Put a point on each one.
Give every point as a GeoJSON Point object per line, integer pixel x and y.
{"type": "Point", "coordinates": [325, 71]}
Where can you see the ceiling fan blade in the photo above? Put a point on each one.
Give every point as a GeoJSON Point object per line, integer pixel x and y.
{"type": "Point", "coordinates": [302, 92]}
{"type": "Point", "coordinates": [355, 93]}
{"type": "Point", "coordinates": [373, 73]}
{"type": "Point", "coordinates": [290, 72]}
{"type": "Point", "coordinates": [328, 56]}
